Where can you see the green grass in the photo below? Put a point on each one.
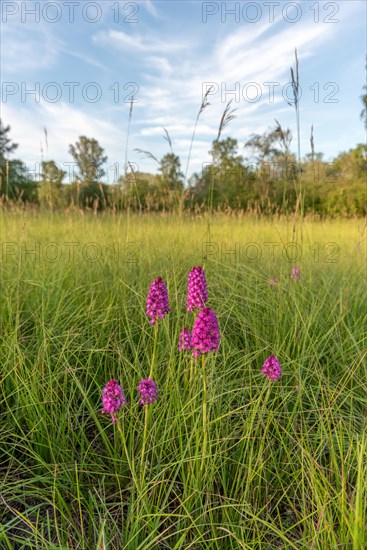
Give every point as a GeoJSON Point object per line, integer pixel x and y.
{"type": "Point", "coordinates": [286, 463]}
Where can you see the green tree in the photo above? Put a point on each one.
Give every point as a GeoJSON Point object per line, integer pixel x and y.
{"type": "Point", "coordinates": [225, 181]}
{"type": "Point", "coordinates": [171, 177]}
{"type": "Point", "coordinates": [89, 156]}
{"type": "Point", "coordinates": [364, 101]}
{"type": "Point", "coordinates": [6, 146]}
{"type": "Point", "coordinates": [265, 146]}
{"type": "Point", "coordinates": [16, 183]}
{"type": "Point", "coordinates": [347, 195]}
{"type": "Point", "coordinates": [50, 192]}
{"type": "Point", "coordinates": [276, 169]}
{"type": "Point", "coordinates": [364, 110]}
{"type": "Point", "coordinates": [272, 149]}
{"type": "Point", "coordinates": [136, 190]}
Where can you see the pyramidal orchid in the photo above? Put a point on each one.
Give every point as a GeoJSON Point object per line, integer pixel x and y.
{"type": "Point", "coordinates": [112, 399]}
{"type": "Point", "coordinates": [157, 302]}
{"type": "Point", "coordinates": [272, 369]}
{"type": "Point", "coordinates": [197, 292]}
{"type": "Point", "coordinates": [148, 391]}
{"type": "Point", "coordinates": [296, 274]}
{"type": "Point", "coordinates": [206, 332]}
{"type": "Point", "coordinates": [184, 343]}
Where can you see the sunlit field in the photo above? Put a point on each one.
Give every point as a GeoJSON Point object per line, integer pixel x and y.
{"type": "Point", "coordinates": [273, 464]}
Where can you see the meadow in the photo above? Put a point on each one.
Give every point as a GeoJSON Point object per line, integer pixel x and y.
{"type": "Point", "coordinates": [285, 462]}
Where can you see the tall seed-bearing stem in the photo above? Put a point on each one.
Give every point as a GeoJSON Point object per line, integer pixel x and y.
{"type": "Point", "coordinates": [203, 106]}
{"type": "Point", "coordinates": [296, 95]}
{"type": "Point", "coordinates": [227, 117]}
{"type": "Point", "coordinates": [295, 88]}
{"type": "Point", "coordinates": [128, 134]}
{"type": "Point", "coordinates": [205, 429]}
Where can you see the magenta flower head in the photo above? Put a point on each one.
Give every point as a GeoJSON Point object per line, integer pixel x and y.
{"type": "Point", "coordinates": [296, 274]}
{"type": "Point", "coordinates": [197, 292]}
{"type": "Point", "coordinates": [148, 391]}
{"type": "Point", "coordinates": [157, 301]}
{"type": "Point", "coordinates": [184, 343]}
{"type": "Point", "coordinates": [271, 368]}
{"type": "Point", "coordinates": [273, 281]}
{"type": "Point", "coordinates": [112, 399]}
{"type": "Point", "coordinates": [206, 333]}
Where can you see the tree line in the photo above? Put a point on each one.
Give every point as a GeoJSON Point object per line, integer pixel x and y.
{"type": "Point", "coordinates": [266, 178]}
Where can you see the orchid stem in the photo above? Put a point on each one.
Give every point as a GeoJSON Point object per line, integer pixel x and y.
{"type": "Point", "coordinates": [205, 431]}
{"type": "Point", "coordinates": [154, 349]}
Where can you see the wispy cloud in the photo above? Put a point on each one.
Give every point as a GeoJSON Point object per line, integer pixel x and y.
{"type": "Point", "coordinates": [150, 6]}
{"type": "Point", "coordinates": [88, 59]}
{"type": "Point", "coordinates": [136, 42]}
{"type": "Point", "coordinates": [26, 52]}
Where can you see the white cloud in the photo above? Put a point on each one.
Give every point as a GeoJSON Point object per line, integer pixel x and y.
{"type": "Point", "coordinates": [160, 64]}
{"type": "Point", "coordinates": [150, 7]}
{"type": "Point", "coordinates": [27, 51]}
{"type": "Point", "coordinates": [64, 125]}
{"type": "Point", "coordinates": [89, 59]}
{"type": "Point", "coordinates": [136, 42]}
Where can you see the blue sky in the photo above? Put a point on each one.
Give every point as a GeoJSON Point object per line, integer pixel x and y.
{"type": "Point", "coordinates": [86, 59]}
